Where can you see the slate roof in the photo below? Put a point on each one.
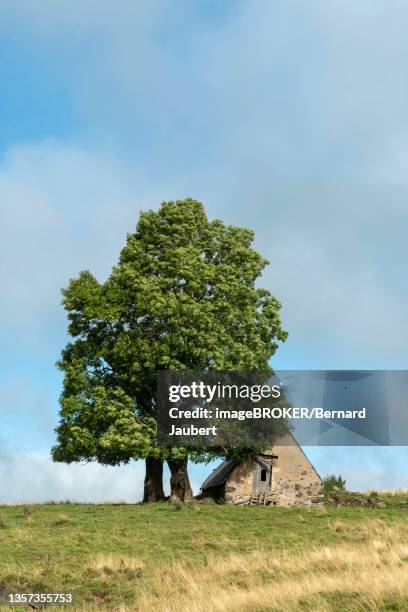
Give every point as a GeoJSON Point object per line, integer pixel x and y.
{"type": "Point", "coordinates": [220, 474]}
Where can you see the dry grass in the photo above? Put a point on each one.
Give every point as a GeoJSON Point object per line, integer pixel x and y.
{"type": "Point", "coordinates": [114, 563]}
{"type": "Point", "coordinates": [392, 493]}
{"type": "Point", "coordinates": [63, 519]}
{"type": "Point", "coordinates": [338, 526]}
{"type": "Point", "coordinates": [360, 576]}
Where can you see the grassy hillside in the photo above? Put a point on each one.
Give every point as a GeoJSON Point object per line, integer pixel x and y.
{"type": "Point", "coordinates": [209, 557]}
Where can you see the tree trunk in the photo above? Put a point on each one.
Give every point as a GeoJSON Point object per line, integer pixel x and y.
{"type": "Point", "coordinates": [153, 482]}
{"type": "Point", "coordinates": [180, 489]}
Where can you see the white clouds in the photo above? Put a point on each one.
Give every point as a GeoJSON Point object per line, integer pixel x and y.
{"type": "Point", "coordinates": [33, 477]}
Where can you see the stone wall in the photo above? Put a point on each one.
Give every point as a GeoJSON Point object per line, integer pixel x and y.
{"type": "Point", "coordinates": [295, 482]}
{"type": "Point", "coordinates": [238, 488]}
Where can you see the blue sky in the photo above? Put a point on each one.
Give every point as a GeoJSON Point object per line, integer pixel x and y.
{"type": "Point", "coordinates": [289, 118]}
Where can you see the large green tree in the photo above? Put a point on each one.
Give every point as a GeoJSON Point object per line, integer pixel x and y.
{"type": "Point", "coordinates": [183, 296]}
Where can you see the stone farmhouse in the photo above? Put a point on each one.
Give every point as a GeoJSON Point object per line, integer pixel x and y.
{"type": "Point", "coordinates": [281, 476]}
